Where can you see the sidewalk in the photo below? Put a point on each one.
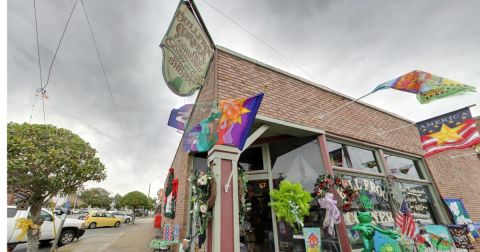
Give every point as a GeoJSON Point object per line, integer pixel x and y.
{"type": "Point", "coordinates": [135, 237]}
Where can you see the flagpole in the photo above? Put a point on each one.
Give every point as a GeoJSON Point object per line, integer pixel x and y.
{"type": "Point", "coordinates": [344, 105]}
{"type": "Point", "coordinates": [395, 129]}
{"type": "Point", "coordinates": [465, 155]}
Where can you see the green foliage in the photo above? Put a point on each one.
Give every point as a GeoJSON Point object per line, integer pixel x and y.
{"type": "Point", "coordinates": [44, 160]}
{"type": "Point", "coordinates": [96, 197]}
{"type": "Point", "coordinates": [135, 200]}
{"type": "Point", "coordinates": [117, 200]}
{"type": "Point", "coordinates": [291, 203]}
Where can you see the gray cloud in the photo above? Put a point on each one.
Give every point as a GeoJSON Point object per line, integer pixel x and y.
{"type": "Point", "coordinates": [349, 46]}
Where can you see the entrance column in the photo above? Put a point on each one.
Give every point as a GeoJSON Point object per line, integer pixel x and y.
{"type": "Point", "coordinates": [223, 234]}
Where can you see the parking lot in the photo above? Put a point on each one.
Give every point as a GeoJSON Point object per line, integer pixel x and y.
{"type": "Point", "coordinates": [137, 236]}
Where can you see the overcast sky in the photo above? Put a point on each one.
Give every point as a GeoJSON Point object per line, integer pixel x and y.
{"type": "Point", "coordinates": [349, 46]}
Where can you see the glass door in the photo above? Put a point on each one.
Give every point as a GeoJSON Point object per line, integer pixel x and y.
{"type": "Point", "coordinates": [257, 232]}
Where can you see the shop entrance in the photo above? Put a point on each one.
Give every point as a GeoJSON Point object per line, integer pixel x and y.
{"type": "Point", "coordinates": [256, 235]}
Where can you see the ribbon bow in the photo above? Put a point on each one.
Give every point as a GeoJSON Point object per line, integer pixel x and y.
{"type": "Point", "coordinates": [23, 224]}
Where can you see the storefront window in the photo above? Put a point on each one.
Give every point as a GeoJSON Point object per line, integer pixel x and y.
{"type": "Point", "coordinates": [403, 167]}
{"type": "Point", "coordinates": [251, 159]}
{"type": "Point", "coordinates": [420, 202]}
{"type": "Point", "coordinates": [346, 156]}
{"type": "Point", "coordinates": [297, 160]}
{"type": "Point", "coordinates": [373, 199]}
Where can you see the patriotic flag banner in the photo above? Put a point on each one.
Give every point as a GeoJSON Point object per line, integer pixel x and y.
{"type": "Point", "coordinates": [178, 117]}
{"type": "Point", "coordinates": [404, 220]}
{"type": "Point", "coordinates": [237, 117]}
{"type": "Point", "coordinates": [426, 86]}
{"type": "Point", "coordinates": [454, 130]}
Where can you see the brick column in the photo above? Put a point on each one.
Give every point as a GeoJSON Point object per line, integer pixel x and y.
{"type": "Point", "coordinates": [225, 224]}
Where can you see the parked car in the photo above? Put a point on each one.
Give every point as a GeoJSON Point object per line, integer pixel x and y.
{"type": "Point", "coordinates": [75, 211]}
{"type": "Point", "coordinates": [58, 211]}
{"type": "Point", "coordinates": [101, 219]}
{"type": "Point", "coordinates": [83, 211]}
{"type": "Point", "coordinates": [71, 228]}
{"type": "Point", "coordinates": [124, 217]}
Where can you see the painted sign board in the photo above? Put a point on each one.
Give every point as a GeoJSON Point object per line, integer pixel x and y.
{"type": "Point", "coordinates": [187, 52]}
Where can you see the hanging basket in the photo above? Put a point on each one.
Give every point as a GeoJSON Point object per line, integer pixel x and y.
{"type": "Point", "coordinates": [213, 194]}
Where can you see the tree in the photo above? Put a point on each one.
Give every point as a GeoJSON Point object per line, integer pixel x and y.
{"type": "Point", "coordinates": [43, 160]}
{"type": "Point", "coordinates": [117, 200]}
{"type": "Point", "coordinates": [96, 197]}
{"type": "Point", "coordinates": [134, 200]}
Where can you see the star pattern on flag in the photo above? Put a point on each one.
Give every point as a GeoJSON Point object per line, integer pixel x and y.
{"type": "Point", "coordinates": [232, 111]}
{"type": "Point", "coordinates": [447, 134]}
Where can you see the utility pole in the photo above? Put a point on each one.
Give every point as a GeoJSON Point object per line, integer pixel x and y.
{"type": "Point", "coordinates": [148, 197]}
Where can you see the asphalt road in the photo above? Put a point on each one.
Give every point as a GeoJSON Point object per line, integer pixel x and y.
{"type": "Point", "coordinates": [88, 233]}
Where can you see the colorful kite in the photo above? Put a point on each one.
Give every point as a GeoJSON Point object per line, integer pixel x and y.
{"type": "Point", "coordinates": [237, 117]}
{"type": "Point", "coordinates": [454, 130]}
{"type": "Point", "coordinates": [426, 86]}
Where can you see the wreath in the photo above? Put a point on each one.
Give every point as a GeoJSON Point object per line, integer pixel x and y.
{"type": "Point", "coordinates": [170, 195]}
{"type": "Point", "coordinates": [291, 203]}
{"type": "Point", "coordinates": [203, 199]}
{"type": "Point", "coordinates": [327, 182]}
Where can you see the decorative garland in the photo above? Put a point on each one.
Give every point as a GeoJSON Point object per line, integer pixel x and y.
{"type": "Point", "coordinates": [244, 206]}
{"type": "Point", "coordinates": [203, 186]}
{"type": "Point", "coordinates": [170, 191]}
{"type": "Point", "coordinates": [326, 182]}
{"type": "Point", "coordinates": [291, 203]}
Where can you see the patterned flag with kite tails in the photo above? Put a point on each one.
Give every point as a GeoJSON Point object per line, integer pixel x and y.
{"type": "Point", "coordinates": [454, 130]}
{"type": "Point", "coordinates": [426, 86]}
{"type": "Point", "coordinates": [237, 117]}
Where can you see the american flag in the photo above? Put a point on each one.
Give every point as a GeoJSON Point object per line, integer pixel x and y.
{"type": "Point", "coordinates": [454, 130]}
{"type": "Point", "coordinates": [404, 220]}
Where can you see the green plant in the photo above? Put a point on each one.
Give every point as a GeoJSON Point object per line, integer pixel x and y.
{"type": "Point", "coordinates": [42, 161]}
{"type": "Point", "coordinates": [96, 197]}
{"type": "Point", "coordinates": [291, 203]}
{"type": "Point", "coordinates": [244, 205]}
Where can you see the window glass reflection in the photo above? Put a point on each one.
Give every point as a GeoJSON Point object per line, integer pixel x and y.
{"type": "Point", "coordinates": [251, 159]}
{"type": "Point", "coordinates": [403, 167]}
{"type": "Point", "coordinates": [419, 200]}
{"type": "Point", "coordinates": [346, 156]}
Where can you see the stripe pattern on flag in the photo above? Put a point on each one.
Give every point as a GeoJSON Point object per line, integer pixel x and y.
{"type": "Point", "coordinates": [454, 130]}
{"type": "Point", "coordinates": [404, 220]}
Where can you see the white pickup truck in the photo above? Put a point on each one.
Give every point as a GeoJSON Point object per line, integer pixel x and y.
{"type": "Point", "coordinates": [72, 228]}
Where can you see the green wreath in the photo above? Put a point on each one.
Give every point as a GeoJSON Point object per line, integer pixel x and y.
{"type": "Point", "coordinates": [291, 203]}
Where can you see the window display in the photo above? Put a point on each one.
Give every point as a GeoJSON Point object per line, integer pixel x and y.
{"type": "Point", "coordinates": [419, 200]}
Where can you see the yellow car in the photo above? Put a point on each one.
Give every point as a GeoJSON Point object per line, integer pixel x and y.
{"type": "Point", "coordinates": [100, 219]}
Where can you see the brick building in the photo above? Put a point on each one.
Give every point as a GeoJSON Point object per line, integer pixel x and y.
{"type": "Point", "coordinates": [289, 140]}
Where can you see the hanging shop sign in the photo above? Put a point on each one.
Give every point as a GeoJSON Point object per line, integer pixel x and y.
{"type": "Point", "coordinates": [187, 51]}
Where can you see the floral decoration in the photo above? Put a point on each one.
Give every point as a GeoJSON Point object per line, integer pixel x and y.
{"type": "Point", "coordinates": [202, 183]}
{"type": "Point", "coordinates": [326, 182]}
{"type": "Point", "coordinates": [291, 203]}
{"type": "Point", "coordinates": [245, 206]}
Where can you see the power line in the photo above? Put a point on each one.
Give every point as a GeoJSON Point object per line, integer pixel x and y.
{"type": "Point", "coordinates": [39, 66]}
{"type": "Point", "coordinates": [108, 83]}
{"type": "Point", "coordinates": [260, 40]}
{"type": "Point", "coordinates": [59, 43]}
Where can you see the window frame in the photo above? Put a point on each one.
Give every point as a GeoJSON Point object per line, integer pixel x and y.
{"type": "Point", "coordinates": [360, 146]}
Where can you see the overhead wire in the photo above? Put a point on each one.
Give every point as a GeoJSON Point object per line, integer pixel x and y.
{"type": "Point", "coordinates": [261, 41]}
{"type": "Point", "coordinates": [39, 66]}
{"type": "Point", "coordinates": [107, 82]}
{"type": "Point", "coordinates": [59, 43]}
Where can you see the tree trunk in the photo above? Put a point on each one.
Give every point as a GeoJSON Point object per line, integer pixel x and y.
{"type": "Point", "coordinates": [33, 234]}
{"type": "Point", "coordinates": [133, 221]}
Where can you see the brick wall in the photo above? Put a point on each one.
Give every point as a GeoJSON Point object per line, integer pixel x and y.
{"type": "Point", "coordinates": [292, 100]}
{"type": "Point", "coordinates": [289, 99]}
{"type": "Point", "coordinates": [182, 161]}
